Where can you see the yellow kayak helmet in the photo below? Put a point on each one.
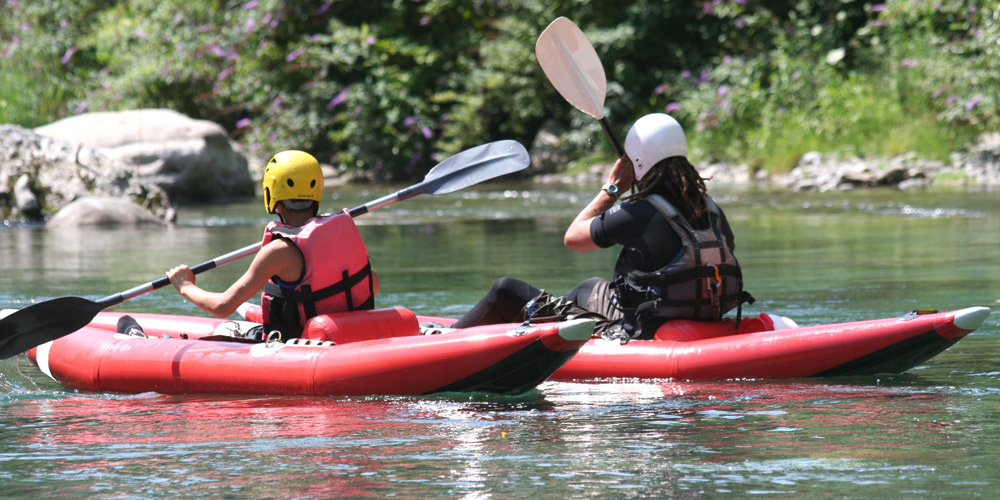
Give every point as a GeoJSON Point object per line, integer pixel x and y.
{"type": "Point", "coordinates": [292, 175]}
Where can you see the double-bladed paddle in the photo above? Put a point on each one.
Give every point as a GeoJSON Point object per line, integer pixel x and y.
{"type": "Point", "coordinates": [572, 66]}
{"type": "Point", "coordinates": [45, 321]}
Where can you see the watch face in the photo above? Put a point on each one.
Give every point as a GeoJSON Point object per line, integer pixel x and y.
{"type": "Point", "coordinates": [611, 189]}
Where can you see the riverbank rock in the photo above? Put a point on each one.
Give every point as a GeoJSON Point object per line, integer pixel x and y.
{"type": "Point", "coordinates": [191, 160]}
{"type": "Point", "coordinates": [102, 211]}
{"type": "Point", "coordinates": [39, 175]}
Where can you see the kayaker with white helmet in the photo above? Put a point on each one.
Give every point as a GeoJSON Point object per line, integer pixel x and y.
{"type": "Point", "coordinates": [309, 264]}
{"type": "Point", "coordinates": [677, 247]}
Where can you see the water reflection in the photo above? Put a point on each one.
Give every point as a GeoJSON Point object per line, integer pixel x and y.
{"type": "Point", "coordinates": [817, 258]}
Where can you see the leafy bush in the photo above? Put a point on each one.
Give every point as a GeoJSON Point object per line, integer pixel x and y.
{"type": "Point", "coordinates": [388, 88]}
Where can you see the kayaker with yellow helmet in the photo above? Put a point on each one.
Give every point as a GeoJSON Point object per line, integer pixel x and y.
{"type": "Point", "coordinates": [677, 247]}
{"type": "Point", "coordinates": [309, 264]}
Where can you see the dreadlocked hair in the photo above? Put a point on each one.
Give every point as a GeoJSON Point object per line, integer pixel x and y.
{"type": "Point", "coordinates": [677, 179]}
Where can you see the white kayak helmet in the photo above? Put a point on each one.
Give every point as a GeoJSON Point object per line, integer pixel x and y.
{"type": "Point", "coordinates": [652, 138]}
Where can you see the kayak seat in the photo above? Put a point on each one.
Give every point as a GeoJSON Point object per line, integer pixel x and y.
{"type": "Point", "coordinates": [682, 330]}
{"type": "Point", "coordinates": [347, 327]}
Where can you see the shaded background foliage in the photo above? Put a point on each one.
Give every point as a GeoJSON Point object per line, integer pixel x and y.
{"type": "Point", "coordinates": [386, 88]}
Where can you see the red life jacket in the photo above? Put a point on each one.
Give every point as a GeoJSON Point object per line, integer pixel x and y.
{"type": "Point", "coordinates": [337, 276]}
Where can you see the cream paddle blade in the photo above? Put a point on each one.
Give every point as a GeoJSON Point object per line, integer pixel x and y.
{"type": "Point", "coordinates": [572, 66]}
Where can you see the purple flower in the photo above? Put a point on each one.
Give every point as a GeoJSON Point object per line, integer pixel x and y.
{"type": "Point", "coordinates": [674, 106]}
{"type": "Point", "coordinates": [703, 77]}
{"type": "Point", "coordinates": [659, 90]}
{"type": "Point", "coordinates": [294, 55]}
{"type": "Point", "coordinates": [427, 132]}
{"type": "Point", "coordinates": [424, 21]}
{"type": "Point", "coordinates": [217, 51]}
{"type": "Point", "coordinates": [276, 103]}
{"type": "Point", "coordinates": [906, 63]}
{"type": "Point", "coordinates": [252, 4]}
{"type": "Point", "coordinates": [409, 121]}
{"type": "Point", "coordinates": [14, 43]}
{"type": "Point", "coordinates": [224, 74]}
{"type": "Point", "coordinates": [879, 7]}
{"type": "Point", "coordinates": [249, 26]}
{"type": "Point", "coordinates": [685, 74]}
{"type": "Point", "coordinates": [323, 8]}
{"type": "Point", "coordinates": [370, 40]}
{"type": "Point", "coordinates": [972, 103]}
{"type": "Point", "coordinates": [242, 123]}
{"type": "Point", "coordinates": [139, 34]}
{"type": "Point", "coordinates": [177, 19]}
{"type": "Point", "coordinates": [723, 90]}
{"type": "Point", "coordinates": [81, 108]}
{"type": "Point", "coordinates": [68, 55]}
{"type": "Point", "coordinates": [338, 99]}
{"type": "Point", "coordinates": [412, 163]}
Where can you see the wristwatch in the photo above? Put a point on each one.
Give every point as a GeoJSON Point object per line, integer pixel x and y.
{"type": "Point", "coordinates": [612, 190]}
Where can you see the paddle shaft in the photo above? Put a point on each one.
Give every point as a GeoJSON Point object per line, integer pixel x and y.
{"type": "Point", "coordinates": [611, 135]}
{"type": "Point", "coordinates": [118, 298]}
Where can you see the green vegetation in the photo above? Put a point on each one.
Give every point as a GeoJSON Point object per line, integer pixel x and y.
{"type": "Point", "coordinates": [387, 87]}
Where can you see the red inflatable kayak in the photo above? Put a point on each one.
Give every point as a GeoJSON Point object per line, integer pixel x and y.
{"type": "Point", "coordinates": [692, 350]}
{"type": "Point", "coordinates": [367, 352]}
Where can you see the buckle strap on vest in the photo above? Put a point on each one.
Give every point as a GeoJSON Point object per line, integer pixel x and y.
{"type": "Point", "coordinates": [710, 271]}
{"type": "Point", "coordinates": [308, 297]}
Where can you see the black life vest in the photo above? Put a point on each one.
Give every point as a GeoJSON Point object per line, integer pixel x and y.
{"type": "Point", "coordinates": [702, 282]}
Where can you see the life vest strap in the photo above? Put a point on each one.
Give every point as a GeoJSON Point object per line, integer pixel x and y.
{"type": "Point", "coordinates": [308, 297]}
{"type": "Point", "coordinates": [711, 271]}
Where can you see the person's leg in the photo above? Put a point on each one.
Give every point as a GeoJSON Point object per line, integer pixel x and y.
{"type": "Point", "coordinates": [595, 295]}
{"type": "Point", "coordinates": [502, 304]}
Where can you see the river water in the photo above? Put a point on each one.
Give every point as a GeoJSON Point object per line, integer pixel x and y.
{"type": "Point", "coordinates": [933, 432]}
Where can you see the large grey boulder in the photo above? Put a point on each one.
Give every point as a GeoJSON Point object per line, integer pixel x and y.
{"type": "Point", "coordinates": [192, 160]}
{"type": "Point", "coordinates": [102, 211]}
{"type": "Point", "coordinates": [39, 175]}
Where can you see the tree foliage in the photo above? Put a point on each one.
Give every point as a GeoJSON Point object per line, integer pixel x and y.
{"type": "Point", "coordinates": [386, 88]}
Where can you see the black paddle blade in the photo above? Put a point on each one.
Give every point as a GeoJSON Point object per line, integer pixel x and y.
{"type": "Point", "coordinates": [39, 323]}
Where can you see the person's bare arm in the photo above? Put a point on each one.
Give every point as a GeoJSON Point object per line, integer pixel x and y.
{"type": "Point", "coordinates": [278, 258]}
{"type": "Point", "coordinates": [577, 237]}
